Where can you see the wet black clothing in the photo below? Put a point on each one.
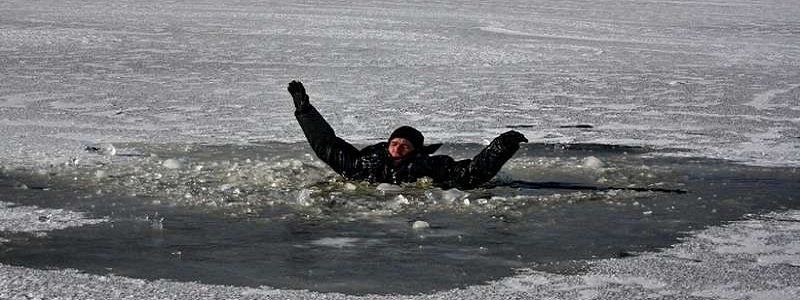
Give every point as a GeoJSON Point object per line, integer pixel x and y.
{"type": "Point", "coordinates": [373, 163]}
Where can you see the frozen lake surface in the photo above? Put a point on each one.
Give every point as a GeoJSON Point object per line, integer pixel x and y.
{"type": "Point", "coordinates": [720, 78]}
{"type": "Point", "coordinates": [686, 90]}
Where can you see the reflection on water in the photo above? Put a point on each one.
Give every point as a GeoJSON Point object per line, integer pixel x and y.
{"type": "Point", "coordinates": [270, 214]}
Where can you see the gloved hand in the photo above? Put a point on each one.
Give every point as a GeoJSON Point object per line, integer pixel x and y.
{"type": "Point", "coordinates": [511, 138]}
{"type": "Point", "coordinates": [299, 95]}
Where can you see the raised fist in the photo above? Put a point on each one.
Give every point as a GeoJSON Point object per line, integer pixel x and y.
{"type": "Point", "coordinates": [512, 137]}
{"type": "Point", "coordinates": [299, 95]}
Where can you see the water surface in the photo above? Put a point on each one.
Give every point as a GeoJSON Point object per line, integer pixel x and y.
{"type": "Point", "coordinates": [270, 214]}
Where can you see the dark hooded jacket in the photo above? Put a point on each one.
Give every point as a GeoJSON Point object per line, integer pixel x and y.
{"type": "Point", "coordinates": [373, 164]}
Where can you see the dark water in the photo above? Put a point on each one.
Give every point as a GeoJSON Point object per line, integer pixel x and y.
{"type": "Point", "coordinates": [269, 215]}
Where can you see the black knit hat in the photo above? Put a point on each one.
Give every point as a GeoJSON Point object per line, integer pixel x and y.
{"type": "Point", "coordinates": [411, 134]}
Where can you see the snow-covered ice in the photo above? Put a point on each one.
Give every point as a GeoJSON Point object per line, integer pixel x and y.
{"type": "Point", "coordinates": [14, 218]}
{"type": "Point", "coordinates": [715, 79]}
{"type": "Point", "coordinates": [720, 79]}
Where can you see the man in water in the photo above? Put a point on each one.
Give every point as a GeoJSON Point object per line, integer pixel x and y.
{"type": "Point", "coordinates": [403, 157]}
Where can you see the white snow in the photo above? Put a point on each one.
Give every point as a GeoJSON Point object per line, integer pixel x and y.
{"type": "Point", "coordinates": [762, 100]}
{"type": "Point", "coordinates": [719, 78]}
{"type": "Point", "coordinates": [462, 71]}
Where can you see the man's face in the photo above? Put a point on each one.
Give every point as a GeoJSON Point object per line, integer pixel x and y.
{"type": "Point", "coordinates": [400, 148]}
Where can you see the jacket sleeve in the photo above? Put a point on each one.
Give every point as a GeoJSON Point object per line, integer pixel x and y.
{"type": "Point", "coordinates": [470, 173]}
{"type": "Point", "coordinates": [340, 155]}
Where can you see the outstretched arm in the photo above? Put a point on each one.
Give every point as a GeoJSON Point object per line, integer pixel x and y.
{"type": "Point", "coordinates": [334, 151]}
{"type": "Point", "coordinates": [470, 173]}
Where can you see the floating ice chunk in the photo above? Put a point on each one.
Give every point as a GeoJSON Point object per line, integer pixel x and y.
{"type": "Point", "coordinates": [400, 199]}
{"type": "Point", "coordinates": [398, 202]}
{"type": "Point", "coordinates": [172, 164]}
{"type": "Point", "coordinates": [304, 197]}
{"type": "Point", "coordinates": [417, 225]}
{"type": "Point", "coordinates": [102, 149]}
{"type": "Point", "coordinates": [388, 188]}
{"type": "Point", "coordinates": [452, 195]}
{"type": "Point", "coordinates": [233, 190]}
{"type": "Point", "coordinates": [336, 242]}
{"type": "Point", "coordinates": [591, 162]}
{"type": "Point", "coordinates": [229, 188]}
{"type": "Point", "coordinates": [157, 223]}
{"type": "Point", "coordinates": [100, 174]}
{"type": "Point", "coordinates": [430, 195]}
{"type": "Point", "coordinates": [350, 187]}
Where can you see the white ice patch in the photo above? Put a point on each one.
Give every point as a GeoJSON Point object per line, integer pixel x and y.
{"type": "Point", "coordinates": [336, 242]}
{"type": "Point", "coordinates": [598, 281]}
{"type": "Point", "coordinates": [419, 225]}
{"type": "Point", "coordinates": [453, 195]}
{"type": "Point", "coordinates": [734, 291]}
{"type": "Point", "coordinates": [23, 100]}
{"type": "Point", "coordinates": [592, 163]}
{"type": "Point", "coordinates": [762, 100]}
{"type": "Point", "coordinates": [504, 31]}
{"type": "Point", "coordinates": [172, 164]}
{"type": "Point", "coordinates": [35, 219]}
{"type": "Point", "coordinates": [791, 256]}
{"type": "Point", "coordinates": [759, 238]}
{"type": "Point", "coordinates": [388, 188]}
